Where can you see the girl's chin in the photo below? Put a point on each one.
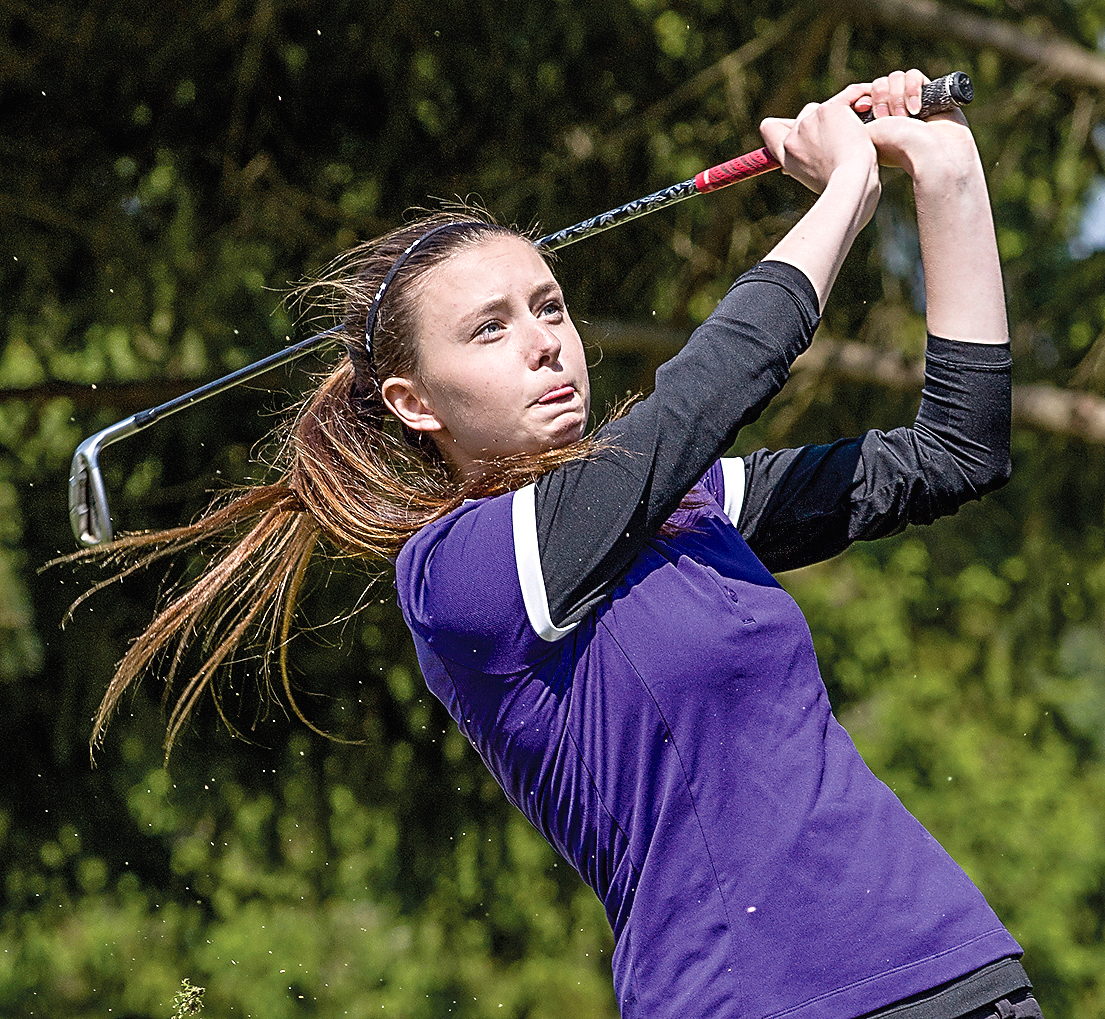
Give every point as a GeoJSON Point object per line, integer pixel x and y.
{"type": "Point", "coordinates": [566, 435]}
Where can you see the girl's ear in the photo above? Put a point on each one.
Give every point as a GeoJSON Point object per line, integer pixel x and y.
{"type": "Point", "coordinates": [406, 401]}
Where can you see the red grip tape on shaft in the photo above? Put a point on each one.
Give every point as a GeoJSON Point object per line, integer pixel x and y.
{"type": "Point", "coordinates": [740, 168]}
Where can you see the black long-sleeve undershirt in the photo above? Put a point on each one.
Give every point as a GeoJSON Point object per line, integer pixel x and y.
{"type": "Point", "coordinates": [800, 506]}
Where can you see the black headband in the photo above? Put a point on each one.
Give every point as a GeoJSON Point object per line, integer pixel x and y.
{"type": "Point", "coordinates": [374, 308]}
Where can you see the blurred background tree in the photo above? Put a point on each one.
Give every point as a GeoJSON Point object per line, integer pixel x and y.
{"type": "Point", "coordinates": [167, 169]}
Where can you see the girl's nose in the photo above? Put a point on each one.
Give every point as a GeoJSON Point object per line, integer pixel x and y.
{"type": "Point", "coordinates": [544, 345]}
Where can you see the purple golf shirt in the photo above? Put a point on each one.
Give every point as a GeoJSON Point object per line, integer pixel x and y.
{"type": "Point", "coordinates": [678, 749]}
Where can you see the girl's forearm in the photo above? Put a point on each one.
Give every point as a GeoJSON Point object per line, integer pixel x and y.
{"type": "Point", "coordinates": [819, 242]}
{"type": "Point", "coordinates": [965, 299]}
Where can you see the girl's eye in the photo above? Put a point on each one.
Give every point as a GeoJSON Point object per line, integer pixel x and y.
{"type": "Point", "coordinates": [554, 309]}
{"type": "Point", "coordinates": [489, 329]}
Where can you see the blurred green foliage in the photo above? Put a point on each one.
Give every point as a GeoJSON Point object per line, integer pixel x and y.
{"type": "Point", "coordinates": [167, 169]}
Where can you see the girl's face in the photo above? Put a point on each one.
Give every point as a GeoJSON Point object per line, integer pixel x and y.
{"type": "Point", "coordinates": [502, 368]}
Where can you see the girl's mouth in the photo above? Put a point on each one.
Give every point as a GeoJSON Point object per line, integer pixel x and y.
{"type": "Point", "coordinates": [556, 395]}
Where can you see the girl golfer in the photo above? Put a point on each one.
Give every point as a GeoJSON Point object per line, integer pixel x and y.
{"type": "Point", "coordinates": [598, 612]}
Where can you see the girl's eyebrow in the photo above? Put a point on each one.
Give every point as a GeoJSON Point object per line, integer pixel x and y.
{"type": "Point", "coordinates": [491, 305]}
{"type": "Point", "coordinates": [549, 287]}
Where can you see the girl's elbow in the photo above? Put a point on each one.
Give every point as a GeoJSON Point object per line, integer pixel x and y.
{"type": "Point", "coordinates": [991, 475]}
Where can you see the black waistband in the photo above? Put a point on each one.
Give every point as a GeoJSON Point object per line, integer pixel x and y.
{"type": "Point", "coordinates": [961, 996]}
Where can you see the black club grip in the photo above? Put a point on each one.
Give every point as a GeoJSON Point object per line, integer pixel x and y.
{"type": "Point", "coordinates": [939, 96]}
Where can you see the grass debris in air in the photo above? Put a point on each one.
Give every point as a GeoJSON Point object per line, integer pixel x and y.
{"type": "Point", "coordinates": [188, 1001]}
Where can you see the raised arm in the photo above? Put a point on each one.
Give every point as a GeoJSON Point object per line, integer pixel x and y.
{"type": "Point", "coordinates": [804, 505]}
{"type": "Point", "coordinates": [829, 150]}
{"type": "Point", "coordinates": [963, 284]}
{"type": "Point", "coordinates": [824, 149]}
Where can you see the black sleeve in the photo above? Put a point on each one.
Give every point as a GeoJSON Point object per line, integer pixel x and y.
{"type": "Point", "coordinates": [805, 505]}
{"type": "Point", "coordinates": [594, 515]}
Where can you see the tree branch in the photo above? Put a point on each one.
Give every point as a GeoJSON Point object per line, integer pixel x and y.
{"type": "Point", "coordinates": [1060, 412]}
{"type": "Point", "coordinates": [1056, 56]}
{"type": "Point", "coordinates": [1068, 413]}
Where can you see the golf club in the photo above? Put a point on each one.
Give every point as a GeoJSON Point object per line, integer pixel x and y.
{"type": "Point", "coordinates": [89, 514]}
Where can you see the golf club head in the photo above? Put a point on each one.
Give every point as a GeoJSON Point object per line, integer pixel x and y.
{"type": "Point", "coordinates": [89, 515]}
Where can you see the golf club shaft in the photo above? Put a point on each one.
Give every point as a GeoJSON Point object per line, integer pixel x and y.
{"type": "Point", "coordinates": [722, 175]}
{"type": "Point", "coordinates": [939, 96]}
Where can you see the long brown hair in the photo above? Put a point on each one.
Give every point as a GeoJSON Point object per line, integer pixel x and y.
{"type": "Point", "coordinates": [350, 480]}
